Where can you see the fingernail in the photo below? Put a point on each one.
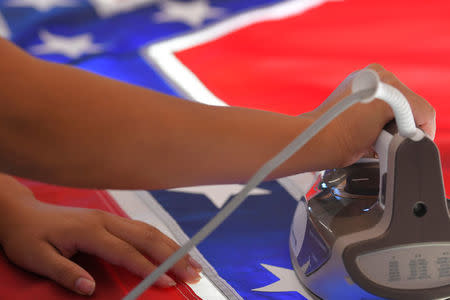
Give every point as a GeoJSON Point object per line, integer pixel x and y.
{"type": "Point", "coordinates": [85, 286]}
{"type": "Point", "coordinates": [195, 264]}
{"type": "Point", "coordinates": [167, 281]}
{"type": "Point", "coordinates": [192, 275]}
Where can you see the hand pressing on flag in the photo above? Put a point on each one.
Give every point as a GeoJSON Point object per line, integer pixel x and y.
{"type": "Point", "coordinates": [42, 238]}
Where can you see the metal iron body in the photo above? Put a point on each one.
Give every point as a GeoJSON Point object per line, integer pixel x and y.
{"type": "Point", "coordinates": [378, 229]}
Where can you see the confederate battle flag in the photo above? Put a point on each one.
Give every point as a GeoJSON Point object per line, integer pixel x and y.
{"type": "Point", "coordinates": [283, 56]}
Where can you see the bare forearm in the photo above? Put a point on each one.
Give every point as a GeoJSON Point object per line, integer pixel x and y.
{"type": "Point", "coordinates": [67, 126]}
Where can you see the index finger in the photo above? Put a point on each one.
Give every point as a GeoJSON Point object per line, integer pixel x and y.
{"type": "Point", "coordinates": [149, 240]}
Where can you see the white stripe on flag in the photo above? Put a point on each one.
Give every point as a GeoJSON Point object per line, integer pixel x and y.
{"type": "Point", "coordinates": [162, 54]}
{"type": "Point", "coordinates": [140, 205]}
{"type": "Point", "coordinates": [109, 8]}
{"type": "Point", "coordinates": [4, 29]}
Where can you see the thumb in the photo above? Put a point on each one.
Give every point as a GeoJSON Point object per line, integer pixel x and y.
{"type": "Point", "coordinates": [47, 261]}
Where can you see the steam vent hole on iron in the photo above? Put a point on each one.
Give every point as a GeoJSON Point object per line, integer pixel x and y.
{"type": "Point", "coordinates": [420, 209]}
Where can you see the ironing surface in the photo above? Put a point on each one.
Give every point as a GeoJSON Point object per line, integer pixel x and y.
{"type": "Point", "coordinates": [322, 41]}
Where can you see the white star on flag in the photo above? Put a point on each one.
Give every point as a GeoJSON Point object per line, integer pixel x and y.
{"type": "Point", "coordinates": [288, 282]}
{"type": "Point", "coordinates": [108, 8]}
{"type": "Point", "coordinates": [219, 194]}
{"type": "Point", "coordinates": [42, 5]}
{"type": "Point", "coordinates": [193, 13]}
{"type": "Point", "coordinates": [4, 29]}
{"type": "Point", "coordinates": [73, 47]}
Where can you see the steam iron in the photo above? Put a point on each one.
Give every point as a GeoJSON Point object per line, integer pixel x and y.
{"type": "Point", "coordinates": [378, 229]}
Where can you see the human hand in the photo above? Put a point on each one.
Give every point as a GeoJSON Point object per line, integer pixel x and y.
{"type": "Point", "coordinates": [41, 238]}
{"type": "Point", "coordinates": [356, 129]}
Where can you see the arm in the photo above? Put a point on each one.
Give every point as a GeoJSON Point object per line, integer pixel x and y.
{"type": "Point", "coordinates": [63, 125]}
{"type": "Point", "coordinates": [71, 127]}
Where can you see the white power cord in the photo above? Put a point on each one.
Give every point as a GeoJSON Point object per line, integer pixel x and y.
{"type": "Point", "coordinates": [366, 86]}
{"type": "Point", "coordinates": [369, 80]}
